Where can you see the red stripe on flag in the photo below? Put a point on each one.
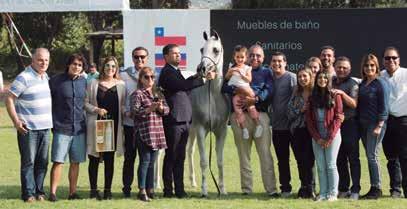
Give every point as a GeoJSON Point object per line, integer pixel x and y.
{"type": "Point", "coordinates": [160, 62]}
{"type": "Point", "coordinates": [164, 40]}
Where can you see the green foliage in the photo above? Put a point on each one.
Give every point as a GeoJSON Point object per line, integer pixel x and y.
{"type": "Point", "coordinates": [71, 40]}
{"type": "Point", "coordinates": [75, 26]}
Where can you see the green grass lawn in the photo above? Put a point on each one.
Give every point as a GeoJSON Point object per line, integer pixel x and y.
{"type": "Point", "coordinates": [10, 185]}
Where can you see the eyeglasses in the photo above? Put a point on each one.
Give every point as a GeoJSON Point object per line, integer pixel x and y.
{"type": "Point", "coordinates": [369, 65]}
{"type": "Point", "coordinates": [109, 65]}
{"type": "Point", "coordinates": [387, 58]}
{"type": "Point", "coordinates": [139, 57]}
{"type": "Point", "coordinates": [149, 77]}
{"type": "Point", "coordinates": [255, 55]}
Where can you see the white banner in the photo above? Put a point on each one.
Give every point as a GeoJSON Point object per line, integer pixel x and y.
{"type": "Point", "coordinates": [62, 5]}
{"type": "Point", "coordinates": [153, 29]}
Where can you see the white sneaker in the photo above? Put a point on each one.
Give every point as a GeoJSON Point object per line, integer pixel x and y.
{"type": "Point", "coordinates": [320, 198]}
{"type": "Point", "coordinates": [285, 194]}
{"type": "Point", "coordinates": [245, 133]}
{"type": "Point", "coordinates": [332, 198]}
{"type": "Point", "coordinates": [354, 196]}
{"type": "Point", "coordinates": [258, 132]}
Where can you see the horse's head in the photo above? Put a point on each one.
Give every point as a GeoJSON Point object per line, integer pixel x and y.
{"type": "Point", "coordinates": [211, 55]}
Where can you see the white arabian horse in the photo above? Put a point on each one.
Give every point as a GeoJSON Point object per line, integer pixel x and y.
{"type": "Point", "coordinates": [210, 111]}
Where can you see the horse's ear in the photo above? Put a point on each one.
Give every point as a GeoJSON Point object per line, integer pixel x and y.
{"type": "Point", "coordinates": [205, 36]}
{"type": "Point", "coordinates": [214, 34]}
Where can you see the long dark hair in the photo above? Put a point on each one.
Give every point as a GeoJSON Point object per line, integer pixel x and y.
{"type": "Point", "coordinates": [322, 97]}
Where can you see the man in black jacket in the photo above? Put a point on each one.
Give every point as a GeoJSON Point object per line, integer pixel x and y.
{"type": "Point", "coordinates": [176, 124]}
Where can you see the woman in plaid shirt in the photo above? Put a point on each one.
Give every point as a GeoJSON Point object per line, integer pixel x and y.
{"type": "Point", "coordinates": [148, 110]}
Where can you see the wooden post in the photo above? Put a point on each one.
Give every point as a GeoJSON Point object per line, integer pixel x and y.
{"type": "Point", "coordinates": [91, 52]}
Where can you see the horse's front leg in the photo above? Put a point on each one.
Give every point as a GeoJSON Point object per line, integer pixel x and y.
{"type": "Point", "coordinates": [200, 136]}
{"type": "Point", "coordinates": [190, 156]}
{"type": "Point", "coordinates": [220, 143]}
{"type": "Point", "coordinates": [157, 170]}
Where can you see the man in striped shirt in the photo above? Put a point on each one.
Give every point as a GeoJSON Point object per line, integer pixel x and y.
{"type": "Point", "coordinates": [28, 104]}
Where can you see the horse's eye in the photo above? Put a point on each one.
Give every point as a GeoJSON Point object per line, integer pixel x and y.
{"type": "Point", "coordinates": [216, 50]}
{"type": "Point", "coordinates": [201, 50]}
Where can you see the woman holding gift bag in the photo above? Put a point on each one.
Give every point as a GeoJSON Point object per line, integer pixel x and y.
{"type": "Point", "coordinates": [148, 107]}
{"type": "Point", "coordinates": [104, 100]}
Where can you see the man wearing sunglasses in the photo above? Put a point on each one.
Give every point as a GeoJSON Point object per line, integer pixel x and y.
{"type": "Point", "coordinates": [130, 78]}
{"type": "Point", "coordinates": [177, 122]}
{"type": "Point", "coordinates": [394, 141]}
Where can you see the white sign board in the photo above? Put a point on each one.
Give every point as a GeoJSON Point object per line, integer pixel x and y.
{"type": "Point", "coordinates": [62, 5]}
{"type": "Point", "coordinates": [153, 29]}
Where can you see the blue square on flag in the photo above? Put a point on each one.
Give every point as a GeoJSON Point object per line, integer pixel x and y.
{"type": "Point", "coordinates": [159, 31]}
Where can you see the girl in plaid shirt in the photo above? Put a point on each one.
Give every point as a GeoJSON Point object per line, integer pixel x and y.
{"type": "Point", "coordinates": [148, 109]}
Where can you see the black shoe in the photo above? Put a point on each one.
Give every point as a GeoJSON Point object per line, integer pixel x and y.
{"type": "Point", "coordinates": [52, 197]}
{"type": "Point", "coordinates": [107, 195]}
{"type": "Point", "coordinates": [95, 194]}
{"type": "Point", "coordinates": [126, 194]}
{"type": "Point", "coordinates": [373, 194]}
{"type": "Point", "coordinates": [305, 193]}
{"type": "Point", "coordinates": [274, 195]}
{"type": "Point", "coordinates": [245, 193]}
{"type": "Point", "coordinates": [74, 196]}
{"type": "Point", "coordinates": [143, 197]}
{"type": "Point", "coordinates": [168, 194]}
{"type": "Point", "coordinates": [181, 195]}
{"type": "Point", "coordinates": [151, 195]}
{"type": "Point", "coordinates": [301, 193]}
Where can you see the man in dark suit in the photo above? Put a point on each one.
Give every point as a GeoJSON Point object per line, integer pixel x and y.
{"type": "Point", "coordinates": [177, 123]}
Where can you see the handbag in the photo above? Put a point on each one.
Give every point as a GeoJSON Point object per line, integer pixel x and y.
{"type": "Point", "coordinates": [104, 135]}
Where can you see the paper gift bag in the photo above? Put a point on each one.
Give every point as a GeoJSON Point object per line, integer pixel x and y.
{"type": "Point", "coordinates": [104, 140]}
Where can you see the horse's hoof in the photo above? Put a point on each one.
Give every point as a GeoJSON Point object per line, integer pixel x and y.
{"type": "Point", "coordinates": [204, 196]}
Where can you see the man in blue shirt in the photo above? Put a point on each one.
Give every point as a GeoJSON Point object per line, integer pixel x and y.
{"type": "Point", "coordinates": [28, 104]}
{"type": "Point", "coordinates": [130, 78]}
{"type": "Point", "coordinates": [262, 86]}
{"type": "Point", "coordinates": [68, 99]}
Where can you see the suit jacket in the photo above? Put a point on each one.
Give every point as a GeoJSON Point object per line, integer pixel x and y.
{"type": "Point", "coordinates": [176, 92]}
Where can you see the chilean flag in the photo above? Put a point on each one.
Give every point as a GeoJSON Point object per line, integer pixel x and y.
{"type": "Point", "coordinates": [160, 41]}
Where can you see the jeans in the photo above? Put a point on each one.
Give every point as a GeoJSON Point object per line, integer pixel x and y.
{"type": "Point", "coordinates": [326, 165]}
{"type": "Point", "coordinates": [348, 157]}
{"type": "Point", "coordinates": [33, 147]}
{"type": "Point", "coordinates": [145, 172]}
{"type": "Point", "coordinates": [302, 148]}
{"type": "Point", "coordinates": [130, 153]}
{"type": "Point", "coordinates": [371, 144]}
{"type": "Point", "coordinates": [395, 149]}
